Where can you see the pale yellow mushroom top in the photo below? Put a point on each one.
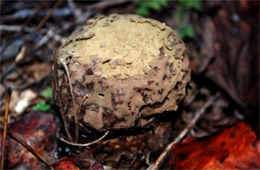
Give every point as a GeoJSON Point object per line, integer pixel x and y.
{"type": "Point", "coordinates": [129, 67]}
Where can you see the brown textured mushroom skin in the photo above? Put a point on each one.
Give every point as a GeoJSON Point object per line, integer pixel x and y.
{"type": "Point", "coordinates": [120, 75]}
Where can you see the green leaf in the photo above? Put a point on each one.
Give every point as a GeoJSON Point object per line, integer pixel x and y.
{"type": "Point", "coordinates": [42, 106]}
{"type": "Point", "coordinates": [164, 2]}
{"type": "Point", "coordinates": [143, 7]}
{"type": "Point", "coordinates": [143, 11]}
{"type": "Point", "coordinates": [186, 32]}
{"type": "Point", "coordinates": [153, 4]}
{"type": "Point", "coordinates": [190, 4]}
{"type": "Point", "coordinates": [47, 93]}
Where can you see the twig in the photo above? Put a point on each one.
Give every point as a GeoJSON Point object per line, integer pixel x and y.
{"type": "Point", "coordinates": [97, 7]}
{"type": "Point", "coordinates": [63, 62]}
{"type": "Point", "coordinates": [49, 35]}
{"type": "Point", "coordinates": [75, 11]}
{"type": "Point", "coordinates": [40, 25]}
{"type": "Point", "coordinates": [84, 144]}
{"type": "Point", "coordinates": [106, 4]}
{"type": "Point", "coordinates": [44, 20]}
{"type": "Point", "coordinates": [15, 28]}
{"type": "Point", "coordinates": [183, 133]}
{"type": "Point", "coordinates": [7, 102]}
{"type": "Point", "coordinates": [147, 158]}
{"type": "Point", "coordinates": [241, 106]}
{"type": "Point", "coordinates": [8, 70]}
{"type": "Point", "coordinates": [58, 90]}
{"type": "Point", "coordinates": [30, 13]}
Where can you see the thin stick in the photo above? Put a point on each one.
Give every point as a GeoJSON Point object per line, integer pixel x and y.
{"type": "Point", "coordinates": [57, 88]}
{"type": "Point", "coordinates": [7, 102]}
{"type": "Point", "coordinates": [68, 76]}
{"type": "Point", "coordinates": [106, 4]}
{"type": "Point", "coordinates": [57, 91]}
{"type": "Point", "coordinates": [72, 97]}
{"type": "Point", "coordinates": [75, 11]}
{"type": "Point", "coordinates": [183, 133]}
{"type": "Point", "coordinates": [43, 21]}
{"type": "Point", "coordinates": [84, 144]}
{"type": "Point", "coordinates": [15, 28]}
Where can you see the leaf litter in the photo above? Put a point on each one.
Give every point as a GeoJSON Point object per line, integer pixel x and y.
{"type": "Point", "coordinates": [224, 59]}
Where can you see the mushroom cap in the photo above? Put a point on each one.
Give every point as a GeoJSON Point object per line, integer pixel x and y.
{"type": "Point", "coordinates": [123, 68]}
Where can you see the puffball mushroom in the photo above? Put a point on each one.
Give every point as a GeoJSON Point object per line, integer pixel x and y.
{"type": "Point", "coordinates": [117, 70]}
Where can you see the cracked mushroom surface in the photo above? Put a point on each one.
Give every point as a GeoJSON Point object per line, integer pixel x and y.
{"type": "Point", "coordinates": [118, 70]}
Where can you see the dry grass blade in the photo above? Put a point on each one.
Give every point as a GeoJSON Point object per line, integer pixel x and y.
{"type": "Point", "coordinates": [71, 93]}
{"type": "Point", "coordinates": [57, 88]}
{"type": "Point", "coordinates": [183, 133]}
{"type": "Point", "coordinates": [84, 144]}
{"type": "Point", "coordinates": [7, 102]}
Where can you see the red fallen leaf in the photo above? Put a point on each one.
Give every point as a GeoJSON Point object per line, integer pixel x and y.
{"type": "Point", "coordinates": [38, 130]}
{"type": "Point", "coordinates": [232, 148]}
{"type": "Point", "coordinates": [65, 164]}
{"type": "Point", "coordinates": [83, 160]}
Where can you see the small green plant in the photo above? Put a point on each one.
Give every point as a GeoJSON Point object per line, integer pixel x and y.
{"type": "Point", "coordinates": [144, 7]}
{"type": "Point", "coordinates": [44, 106]}
{"type": "Point", "coordinates": [47, 93]}
{"type": "Point", "coordinates": [186, 30]}
{"type": "Point", "coordinates": [190, 4]}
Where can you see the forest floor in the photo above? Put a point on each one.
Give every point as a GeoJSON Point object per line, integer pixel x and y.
{"type": "Point", "coordinates": [222, 39]}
